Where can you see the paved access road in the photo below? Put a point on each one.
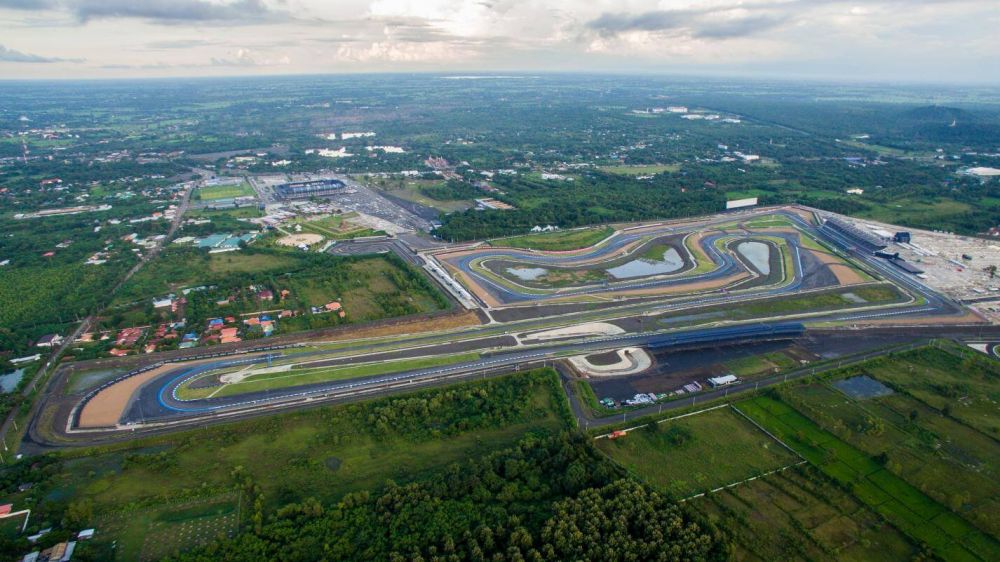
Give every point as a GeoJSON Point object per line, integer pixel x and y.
{"type": "Point", "coordinates": [158, 403]}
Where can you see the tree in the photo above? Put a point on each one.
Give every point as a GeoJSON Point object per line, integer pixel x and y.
{"type": "Point", "coordinates": [79, 513]}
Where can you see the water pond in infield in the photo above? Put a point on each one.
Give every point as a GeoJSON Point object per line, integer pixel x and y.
{"type": "Point", "coordinates": [758, 254]}
{"type": "Point", "coordinates": [527, 273]}
{"type": "Point", "coordinates": [671, 262]}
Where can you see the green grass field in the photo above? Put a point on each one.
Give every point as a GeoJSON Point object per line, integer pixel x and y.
{"type": "Point", "coordinates": [239, 262]}
{"type": "Point", "coordinates": [558, 241]}
{"type": "Point", "coordinates": [410, 190]}
{"type": "Point", "coordinates": [768, 222]}
{"type": "Point", "coordinates": [697, 453]}
{"type": "Point", "coordinates": [298, 377]}
{"type": "Point", "coordinates": [10, 527]}
{"type": "Point", "coordinates": [338, 227]}
{"type": "Point", "coordinates": [917, 212]}
{"type": "Point", "coordinates": [805, 303]}
{"type": "Point", "coordinates": [758, 364]}
{"type": "Point", "coordinates": [968, 394]}
{"type": "Point", "coordinates": [214, 192]}
{"type": "Point", "coordinates": [902, 504]}
{"type": "Point", "coordinates": [164, 531]}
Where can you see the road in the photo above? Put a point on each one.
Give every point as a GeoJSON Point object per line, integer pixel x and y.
{"type": "Point", "coordinates": [175, 414]}
{"type": "Point", "coordinates": [586, 420]}
{"type": "Point", "coordinates": [158, 403]}
{"type": "Point", "coordinates": [87, 322]}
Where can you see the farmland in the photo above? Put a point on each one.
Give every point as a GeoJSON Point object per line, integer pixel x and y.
{"type": "Point", "coordinates": [911, 462]}
{"type": "Point", "coordinates": [697, 453]}
{"type": "Point", "coordinates": [799, 513]}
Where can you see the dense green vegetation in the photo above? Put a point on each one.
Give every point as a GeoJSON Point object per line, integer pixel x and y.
{"type": "Point", "coordinates": [558, 241]}
{"type": "Point", "coordinates": [546, 499]}
{"type": "Point", "coordinates": [451, 190]}
{"type": "Point", "coordinates": [595, 199]}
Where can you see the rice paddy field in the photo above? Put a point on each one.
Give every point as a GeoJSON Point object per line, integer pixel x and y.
{"type": "Point", "coordinates": [921, 451]}
{"type": "Point", "coordinates": [800, 514]}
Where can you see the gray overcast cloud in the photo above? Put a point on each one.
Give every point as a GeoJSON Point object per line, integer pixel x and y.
{"type": "Point", "coordinates": [915, 40]}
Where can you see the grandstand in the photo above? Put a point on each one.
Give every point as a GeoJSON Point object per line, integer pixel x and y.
{"type": "Point", "coordinates": [306, 189]}
{"type": "Point", "coordinates": [862, 239]}
{"type": "Point", "coordinates": [729, 335]}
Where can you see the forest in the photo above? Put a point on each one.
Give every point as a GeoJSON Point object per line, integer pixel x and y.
{"type": "Point", "coordinates": [549, 498]}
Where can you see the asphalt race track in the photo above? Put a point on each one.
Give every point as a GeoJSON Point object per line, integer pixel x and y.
{"type": "Point", "coordinates": [157, 403]}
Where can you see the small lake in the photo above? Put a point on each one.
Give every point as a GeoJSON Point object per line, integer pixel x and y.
{"type": "Point", "coordinates": [758, 254]}
{"type": "Point", "coordinates": [862, 387]}
{"type": "Point", "coordinates": [8, 382]}
{"type": "Point", "coordinates": [643, 267]}
{"type": "Point", "coordinates": [527, 273]}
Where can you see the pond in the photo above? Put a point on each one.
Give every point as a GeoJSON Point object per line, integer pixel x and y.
{"type": "Point", "coordinates": [862, 387]}
{"type": "Point", "coordinates": [527, 273]}
{"type": "Point", "coordinates": [758, 254]}
{"type": "Point", "coordinates": [8, 382]}
{"type": "Point", "coordinates": [671, 262]}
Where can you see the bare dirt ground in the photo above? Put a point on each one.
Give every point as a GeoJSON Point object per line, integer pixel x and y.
{"type": "Point", "coordinates": [296, 239]}
{"type": "Point", "coordinates": [472, 286]}
{"type": "Point", "coordinates": [588, 329]}
{"type": "Point", "coordinates": [958, 266]}
{"type": "Point", "coordinates": [107, 407]}
{"type": "Point", "coordinates": [689, 287]}
{"type": "Point", "coordinates": [845, 274]}
{"type": "Point", "coordinates": [970, 317]}
{"type": "Point", "coordinates": [802, 213]}
{"type": "Point", "coordinates": [468, 318]}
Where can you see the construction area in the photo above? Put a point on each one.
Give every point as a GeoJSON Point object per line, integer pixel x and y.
{"type": "Point", "coordinates": [961, 267]}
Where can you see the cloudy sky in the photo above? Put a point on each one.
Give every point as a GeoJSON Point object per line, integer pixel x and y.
{"type": "Point", "coordinates": [880, 40]}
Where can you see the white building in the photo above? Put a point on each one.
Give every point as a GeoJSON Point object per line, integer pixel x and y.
{"type": "Point", "coordinates": [724, 380]}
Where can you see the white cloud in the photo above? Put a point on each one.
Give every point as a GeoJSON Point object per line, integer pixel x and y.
{"type": "Point", "coordinates": [12, 55]}
{"type": "Point", "coordinates": [949, 38]}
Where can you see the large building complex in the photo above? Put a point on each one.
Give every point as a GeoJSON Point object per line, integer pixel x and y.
{"type": "Point", "coordinates": [306, 189]}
